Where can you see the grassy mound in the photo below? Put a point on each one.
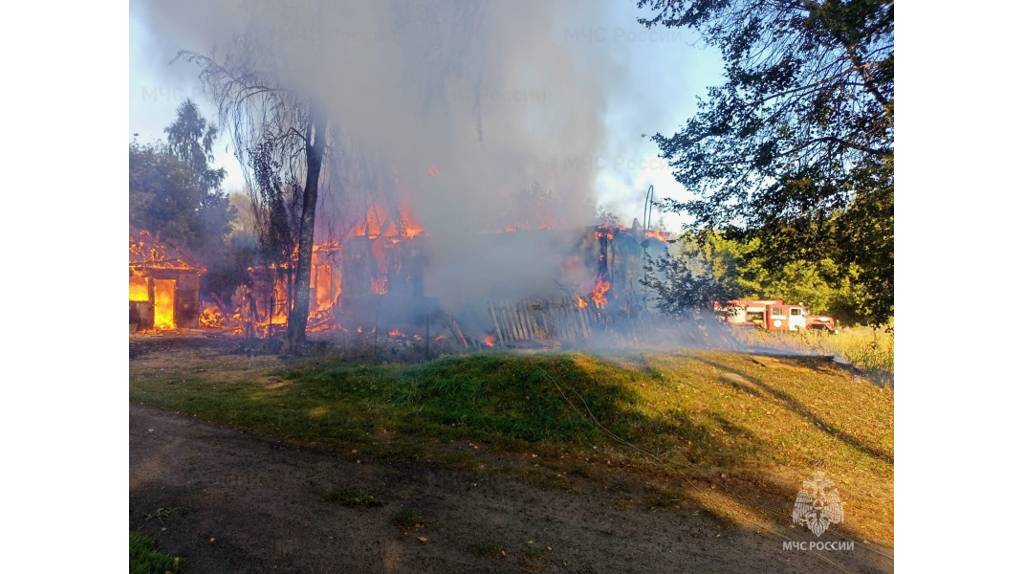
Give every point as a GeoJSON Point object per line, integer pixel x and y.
{"type": "Point", "coordinates": [690, 422]}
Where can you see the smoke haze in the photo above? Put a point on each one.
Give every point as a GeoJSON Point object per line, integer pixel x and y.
{"type": "Point", "coordinates": [477, 116]}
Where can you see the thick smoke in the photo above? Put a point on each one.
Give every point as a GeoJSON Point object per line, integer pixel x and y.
{"type": "Point", "coordinates": [477, 115]}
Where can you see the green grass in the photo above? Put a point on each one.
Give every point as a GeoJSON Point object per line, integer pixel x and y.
{"type": "Point", "coordinates": [682, 424]}
{"type": "Point", "coordinates": [144, 558]}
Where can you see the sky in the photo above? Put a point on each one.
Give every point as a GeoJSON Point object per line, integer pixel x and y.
{"type": "Point", "coordinates": [661, 73]}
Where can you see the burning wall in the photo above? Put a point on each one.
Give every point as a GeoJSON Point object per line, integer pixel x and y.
{"type": "Point", "coordinates": [379, 258]}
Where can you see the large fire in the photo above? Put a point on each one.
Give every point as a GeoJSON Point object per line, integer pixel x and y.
{"type": "Point", "coordinates": [378, 268]}
{"type": "Point", "coordinates": [380, 223]}
{"type": "Point", "coordinates": [163, 284]}
{"type": "Point", "coordinates": [163, 303]}
{"type": "Point", "coordinates": [263, 307]}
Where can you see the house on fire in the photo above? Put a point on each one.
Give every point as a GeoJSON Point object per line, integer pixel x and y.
{"type": "Point", "coordinates": [163, 285]}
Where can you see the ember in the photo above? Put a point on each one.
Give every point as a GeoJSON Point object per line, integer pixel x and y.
{"type": "Point", "coordinates": [211, 317]}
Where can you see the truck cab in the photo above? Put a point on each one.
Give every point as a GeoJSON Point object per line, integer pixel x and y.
{"type": "Point", "coordinates": [771, 315]}
{"type": "Point", "coordinates": [783, 317]}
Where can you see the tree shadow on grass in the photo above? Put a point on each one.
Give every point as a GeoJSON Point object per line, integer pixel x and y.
{"type": "Point", "coordinates": [562, 401]}
{"type": "Point", "coordinates": [755, 385]}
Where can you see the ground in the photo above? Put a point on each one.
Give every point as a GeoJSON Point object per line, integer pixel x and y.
{"type": "Point", "coordinates": [394, 485]}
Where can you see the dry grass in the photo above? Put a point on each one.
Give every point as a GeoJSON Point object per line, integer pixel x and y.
{"type": "Point", "coordinates": [871, 349]}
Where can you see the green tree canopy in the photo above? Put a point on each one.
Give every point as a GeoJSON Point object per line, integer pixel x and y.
{"type": "Point", "coordinates": [796, 147]}
{"type": "Point", "coordinates": [175, 193]}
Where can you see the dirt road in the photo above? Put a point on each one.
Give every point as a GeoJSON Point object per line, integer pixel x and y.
{"type": "Point", "coordinates": [226, 501]}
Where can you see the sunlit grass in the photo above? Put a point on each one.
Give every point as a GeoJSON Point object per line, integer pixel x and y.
{"type": "Point", "coordinates": [871, 349]}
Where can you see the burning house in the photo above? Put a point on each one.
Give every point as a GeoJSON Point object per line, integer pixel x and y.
{"type": "Point", "coordinates": [163, 285]}
{"type": "Point", "coordinates": [374, 281]}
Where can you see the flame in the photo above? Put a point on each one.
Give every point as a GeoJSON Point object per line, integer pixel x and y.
{"type": "Point", "coordinates": [659, 234]}
{"type": "Point", "coordinates": [211, 317]}
{"type": "Point", "coordinates": [138, 288]}
{"type": "Point", "coordinates": [149, 258]}
{"type": "Point", "coordinates": [385, 229]}
{"type": "Point", "coordinates": [379, 223]}
{"type": "Point", "coordinates": [146, 252]}
{"type": "Point", "coordinates": [409, 225]}
{"type": "Point", "coordinates": [394, 332]}
{"type": "Point", "coordinates": [581, 302]}
{"type": "Point", "coordinates": [597, 295]}
{"type": "Point", "coordinates": [489, 340]}
{"type": "Point", "coordinates": [609, 232]}
{"type": "Point", "coordinates": [163, 303]}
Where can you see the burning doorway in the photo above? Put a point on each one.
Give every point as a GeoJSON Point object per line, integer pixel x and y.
{"type": "Point", "coordinates": [163, 303]}
{"type": "Point", "coordinates": [163, 285]}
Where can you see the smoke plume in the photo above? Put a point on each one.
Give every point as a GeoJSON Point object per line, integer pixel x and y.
{"type": "Point", "coordinates": [465, 112]}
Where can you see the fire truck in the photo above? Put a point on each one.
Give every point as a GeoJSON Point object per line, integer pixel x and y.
{"type": "Point", "coordinates": [772, 315]}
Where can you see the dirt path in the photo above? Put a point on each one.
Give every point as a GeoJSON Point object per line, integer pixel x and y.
{"type": "Point", "coordinates": [226, 501]}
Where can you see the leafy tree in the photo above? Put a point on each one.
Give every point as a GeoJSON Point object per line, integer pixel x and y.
{"type": "Point", "coordinates": [733, 269]}
{"type": "Point", "coordinates": [163, 197]}
{"type": "Point", "coordinates": [175, 192]}
{"type": "Point", "coordinates": [190, 138]}
{"type": "Point", "coordinates": [796, 148]}
{"type": "Point", "coordinates": [680, 290]}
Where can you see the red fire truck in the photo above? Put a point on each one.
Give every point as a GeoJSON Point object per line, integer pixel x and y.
{"type": "Point", "coordinates": [772, 315]}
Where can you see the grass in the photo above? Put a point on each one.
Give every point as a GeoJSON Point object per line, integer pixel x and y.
{"type": "Point", "coordinates": [144, 558]}
{"type": "Point", "coordinates": [871, 349]}
{"type": "Point", "coordinates": [733, 433]}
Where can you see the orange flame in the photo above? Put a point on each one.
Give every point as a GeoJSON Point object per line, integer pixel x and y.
{"type": "Point", "coordinates": [163, 303]}
{"type": "Point", "coordinates": [489, 340]}
{"type": "Point", "coordinates": [211, 317]}
{"type": "Point", "coordinates": [598, 294]}
{"type": "Point", "coordinates": [659, 234]}
{"type": "Point", "coordinates": [147, 257]}
{"type": "Point", "coordinates": [138, 288]}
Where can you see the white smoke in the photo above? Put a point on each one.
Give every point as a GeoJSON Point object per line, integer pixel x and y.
{"type": "Point", "coordinates": [479, 115]}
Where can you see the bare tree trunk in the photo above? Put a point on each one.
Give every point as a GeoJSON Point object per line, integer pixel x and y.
{"type": "Point", "coordinates": [315, 141]}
